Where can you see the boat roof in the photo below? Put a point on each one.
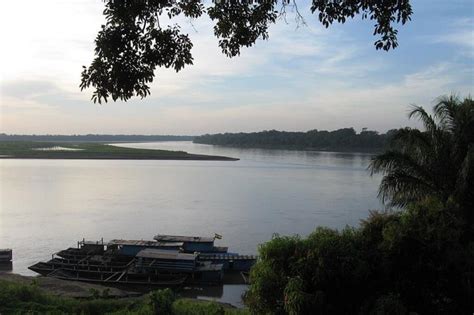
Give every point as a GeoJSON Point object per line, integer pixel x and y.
{"type": "Point", "coordinates": [213, 256]}
{"type": "Point", "coordinates": [179, 238]}
{"type": "Point", "coordinates": [210, 267]}
{"type": "Point", "coordinates": [164, 254]}
{"type": "Point", "coordinates": [145, 243]}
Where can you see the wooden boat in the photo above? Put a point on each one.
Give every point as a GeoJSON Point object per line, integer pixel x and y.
{"type": "Point", "coordinates": [106, 276]}
{"type": "Point", "coordinates": [166, 261]}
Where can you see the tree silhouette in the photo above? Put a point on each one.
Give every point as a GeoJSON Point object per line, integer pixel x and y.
{"type": "Point", "coordinates": [132, 43]}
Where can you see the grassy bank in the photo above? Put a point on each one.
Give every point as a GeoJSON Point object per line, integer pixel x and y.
{"type": "Point", "coordinates": [67, 150]}
{"type": "Point", "coordinates": [28, 298]}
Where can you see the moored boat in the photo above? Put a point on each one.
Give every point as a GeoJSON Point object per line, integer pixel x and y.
{"type": "Point", "coordinates": [165, 261]}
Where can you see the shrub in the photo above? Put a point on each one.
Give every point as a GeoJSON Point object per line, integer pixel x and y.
{"type": "Point", "coordinates": [189, 307]}
{"type": "Point", "coordinates": [162, 301]}
{"type": "Point", "coordinates": [394, 263]}
{"type": "Point", "coordinates": [29, 299]}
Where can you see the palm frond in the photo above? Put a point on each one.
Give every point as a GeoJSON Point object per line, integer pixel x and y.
{"type": "Point", "coordinates": [411, 140]}
{"type": "Point", "coordinates": [437, 162]}
{"type": "Point", "coordinates": [400, 188]}
{"type": "Point", "coordinates": [427, 120]}
{"type": "Point", "coordinates": [446, 111]}
{"type": "Point", "coordinates": [391, 161]}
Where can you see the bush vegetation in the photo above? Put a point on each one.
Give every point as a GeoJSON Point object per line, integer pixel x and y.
{"type": "Point", "coordinates": [29, 299]}
{"type": "Point", "coordinates": [418, 258]}
{"type": "Point", "coordinates": [415, 260]}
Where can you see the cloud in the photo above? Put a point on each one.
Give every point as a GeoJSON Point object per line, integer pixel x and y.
{"type": "Point", "coordinates": [26, 89]}
{"type": "Point", "coordinates": [383, 106]}
{"type": "Point", "coordinates": [460, 33]}
{"type": "Point", "coordinates": [24, 105]}
{"type": "Point", "coordinates": [47, 39]}
{"type": "Point", "coordinates": [16, 106]}
{"type": "Point", "coordinates": [461, 38]}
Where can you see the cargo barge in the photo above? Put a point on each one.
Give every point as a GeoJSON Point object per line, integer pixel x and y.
{"type": "Point", "coordinates": [165, 261]}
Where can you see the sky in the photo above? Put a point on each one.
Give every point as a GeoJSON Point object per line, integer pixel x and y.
{"type": "Point", "coordinates": [302, 78]}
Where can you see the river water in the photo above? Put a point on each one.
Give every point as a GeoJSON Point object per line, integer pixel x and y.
{"type": "Point", "coordinates": [48, 205]}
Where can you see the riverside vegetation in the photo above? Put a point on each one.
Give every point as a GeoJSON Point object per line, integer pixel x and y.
{"type": "Point", "coordinates": [345, 139]}
{"type": "Point", "coordinates": [416, 259]}
{"type": "Point", "coordinates": [29, 299]}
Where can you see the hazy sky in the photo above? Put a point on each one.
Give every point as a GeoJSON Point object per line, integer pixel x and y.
{"type": "Point", "coordinates": [301, 79]}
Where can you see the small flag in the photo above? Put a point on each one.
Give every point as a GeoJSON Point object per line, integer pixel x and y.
{"type": "Point", "coordinates": [218, 236]}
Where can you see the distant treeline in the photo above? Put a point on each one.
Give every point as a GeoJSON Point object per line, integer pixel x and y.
{"type": "Point", "coordinates": [345, 139]}
{"type": "Point", "coordinates": [94, 138]}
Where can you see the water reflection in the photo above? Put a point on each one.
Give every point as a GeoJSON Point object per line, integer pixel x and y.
{"type": "Point", "coordinates": [281, 157]}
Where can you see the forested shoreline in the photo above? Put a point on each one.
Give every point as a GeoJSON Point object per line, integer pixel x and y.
{"type": "Point", "coordinates": [345, 139]}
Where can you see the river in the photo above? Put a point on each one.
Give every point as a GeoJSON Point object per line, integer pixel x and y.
{"type": "Point", "coordinates": [48, 205]}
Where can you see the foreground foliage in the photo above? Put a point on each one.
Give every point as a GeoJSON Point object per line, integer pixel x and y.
{"type": "Point", "coordinates": [419, 259]}
{"type": "Point", "coordinates": [28, 299]}
{"type": "Point", "coordinates": [394, 263]}
{"type": "Point", "coordinates": [139, 36]}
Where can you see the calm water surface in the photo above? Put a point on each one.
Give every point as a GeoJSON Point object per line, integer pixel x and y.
{"type": "Point", "coordinates": [47, 205]}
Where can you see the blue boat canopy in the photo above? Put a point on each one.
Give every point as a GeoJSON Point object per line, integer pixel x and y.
{"type": "Point", "coordinates": [144, 243]}
{"type": "Point", "coordinates": [187, 239]}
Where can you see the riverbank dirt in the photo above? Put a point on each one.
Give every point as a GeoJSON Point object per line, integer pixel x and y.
{"type": "Point", "coordinates": [65, 288]}
{"type": "Point", "coordinates": [82, 290]}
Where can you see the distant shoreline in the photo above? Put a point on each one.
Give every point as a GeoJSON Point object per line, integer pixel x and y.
{"type": "Point", "coordinates": [304, 149]}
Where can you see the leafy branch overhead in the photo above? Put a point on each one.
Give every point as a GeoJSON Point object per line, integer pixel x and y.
{"type": "Point", "coordinates": [133, 43]}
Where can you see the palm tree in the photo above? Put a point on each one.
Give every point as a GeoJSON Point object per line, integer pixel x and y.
{"type": "Point", "coordinates": [438, 161]}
